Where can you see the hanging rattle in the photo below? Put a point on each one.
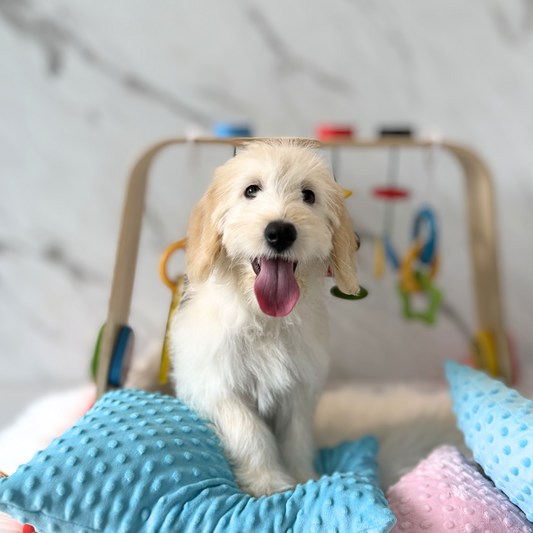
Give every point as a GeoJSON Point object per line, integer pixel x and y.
{"type": "Point", "coordinates": [419, 267]}
{"type": "Point", "coordinates": [332, 132]}
{"type": "Point", "coordinates": [389, 193]}
{"type": "Point", "coordinates": [420, 263]}
{"type": "Point", "coordinates": [328, 132]}
{"type": "Point", "coordinates": [176, 287]}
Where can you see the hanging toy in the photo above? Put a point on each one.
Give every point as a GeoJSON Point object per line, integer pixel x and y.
{"type": "Point", "coordinates": [389, 193]}
{"type": "Point", "coordinates": [485, 354]}
{"type": "Point", "coordinates": [334, 132]}
{"type": "Point", "coordinates": [335, 291]}
{"type": "Point", "coordinates": [177, 288]}
{"type": "Point", "coordinates": [329, 132]}
{"type": "Point", "coordinates": [417, 270]}
{"type": "Point", "coordinates": [420, 263]}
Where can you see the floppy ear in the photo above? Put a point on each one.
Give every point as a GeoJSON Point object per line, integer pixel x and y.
{"type": "Point", "coordinates": [345, 246]}
{"type": "Point", "coordinates": [204, 244]}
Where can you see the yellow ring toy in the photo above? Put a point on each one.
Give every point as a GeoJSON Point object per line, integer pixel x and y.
{"type": "Point", "coordinates": [177, 295]}
{"type": "Point", "coordinates": [180, 245]}
{"type": "Point", "coordinates": [408, 279]}
{"type": "Point", "coordinates": [485, 354]}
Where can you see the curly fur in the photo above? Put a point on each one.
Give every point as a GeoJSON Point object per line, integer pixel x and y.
{"type": "Point", "coordinates": [258, 378]}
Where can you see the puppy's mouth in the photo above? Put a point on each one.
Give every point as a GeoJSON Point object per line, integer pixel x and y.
{"type": "Point", "coordinates": [256, 265]}
{"type": "Point", "coordinates": [275, 287]}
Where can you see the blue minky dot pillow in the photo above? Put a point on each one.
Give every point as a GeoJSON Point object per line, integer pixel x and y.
{"type": "Point", "coordinates": [498, 427]}
{"type": "Point", "coordinates": [140, 462]}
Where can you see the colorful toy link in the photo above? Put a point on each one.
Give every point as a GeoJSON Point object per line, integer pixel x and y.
{"type": "Point", "coordinates": [419, 266]}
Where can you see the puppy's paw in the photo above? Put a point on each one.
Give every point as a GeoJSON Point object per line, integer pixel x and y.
{"type": "Point", "coordinates": [266, 483]}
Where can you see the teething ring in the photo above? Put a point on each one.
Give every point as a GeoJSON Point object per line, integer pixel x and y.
{"type": "Point", "coordinates": [180, 245]}
{"type": "Point", "coordinates": [408, 279]}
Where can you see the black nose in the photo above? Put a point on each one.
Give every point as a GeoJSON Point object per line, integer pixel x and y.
{"type": "Point", "coordinates": [280, 235]}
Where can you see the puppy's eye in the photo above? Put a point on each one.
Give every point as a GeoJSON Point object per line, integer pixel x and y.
{"type": "Point", "coordinates": [251, 191]}
{"type": "Point", "coordinates": [309, 196]}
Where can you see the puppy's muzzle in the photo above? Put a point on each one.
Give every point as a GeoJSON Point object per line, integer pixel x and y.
{"type": "Point", "coordinates": [280, 235]}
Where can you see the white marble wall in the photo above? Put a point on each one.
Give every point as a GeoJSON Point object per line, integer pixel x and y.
{"type": "Point", "coordinates": [85, 86]}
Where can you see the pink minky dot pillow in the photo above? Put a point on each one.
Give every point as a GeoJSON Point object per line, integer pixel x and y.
{"type": "Point", "coordinates": [446, 494]}
{"type": "Point", "coordinates": [9, 525]}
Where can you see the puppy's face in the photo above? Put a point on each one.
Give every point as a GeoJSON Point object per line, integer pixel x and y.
{"type": "Point", "coordinates": [274, 213]}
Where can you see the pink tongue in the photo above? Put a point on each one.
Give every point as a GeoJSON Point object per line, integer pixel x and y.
{"type": "Point", "coordinates": [276, 288]}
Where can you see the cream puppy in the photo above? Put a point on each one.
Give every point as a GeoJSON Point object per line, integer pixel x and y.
{"type": "Point", "coordinates": [250, 337]}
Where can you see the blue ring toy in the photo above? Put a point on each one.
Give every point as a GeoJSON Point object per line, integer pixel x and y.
{"type": "Point", "coordinates": [426, 216]}
{"type": "Point", "coordinates": [391, 254]}
{"type": "Point", "coordinates": [121, 357]}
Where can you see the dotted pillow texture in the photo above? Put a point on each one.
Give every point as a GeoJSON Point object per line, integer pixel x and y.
{"type": "Point", "coordinates": [498, 426]}
{"type": "Point", "coordinates": [145, 463]}
{"type": "Point", "coordinates": [446, 494]}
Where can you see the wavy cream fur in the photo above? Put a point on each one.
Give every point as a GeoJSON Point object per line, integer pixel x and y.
{"type": "Point", "coordinates": [256, 377]}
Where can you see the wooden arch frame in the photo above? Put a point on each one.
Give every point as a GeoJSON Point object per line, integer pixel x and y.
{"type": "Point", "coordinates": [481, 221]}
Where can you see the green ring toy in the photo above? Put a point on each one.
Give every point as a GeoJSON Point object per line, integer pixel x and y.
{"type": "Point", "coordinates": [335, 291]}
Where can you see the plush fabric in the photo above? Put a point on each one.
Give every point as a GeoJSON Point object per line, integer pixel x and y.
{"type": "Point", "coordinates": [409, 420]}
{"type": "Point", "coordinates": [446, 494]}
{"type": "Point", "coordinates": [498, 426]}
{"type": "Point", "coordinates": [140, 462]}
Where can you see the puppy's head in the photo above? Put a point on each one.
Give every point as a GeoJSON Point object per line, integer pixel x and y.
{"type": "Point", "coordinates": [274, 216]}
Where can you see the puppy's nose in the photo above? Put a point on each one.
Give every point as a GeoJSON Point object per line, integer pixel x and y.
{"type": "Point", "coordinates": [280, 235]}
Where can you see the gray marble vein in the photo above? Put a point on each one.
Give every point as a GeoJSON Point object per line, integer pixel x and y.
{"type": "Point", "coordinates": [57, 256]}
{"type": "Point", "coordinates": [515, 29]}
{"type": "Point", "coordinates": [55, 40]}
{"type": "Point", "coordinates": [289, 63]}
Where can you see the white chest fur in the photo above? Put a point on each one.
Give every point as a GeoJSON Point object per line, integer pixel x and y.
{"type": "Point", "coordinates": [222, 345]}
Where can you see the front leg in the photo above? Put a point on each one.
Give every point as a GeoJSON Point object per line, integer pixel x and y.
{"type": "Point", "coordinates": [252, 449]}
{"type": "Point", "coordinates": [295, 435]}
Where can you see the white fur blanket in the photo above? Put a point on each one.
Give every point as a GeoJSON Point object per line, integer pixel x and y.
{"type": "Point", "coordinates": [408, 420]}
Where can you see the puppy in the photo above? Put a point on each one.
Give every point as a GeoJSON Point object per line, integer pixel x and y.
{"type": "Point", "coordinates": [249, 340]}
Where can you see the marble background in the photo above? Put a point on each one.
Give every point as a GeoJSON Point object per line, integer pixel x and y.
{"type": "Point", "coordinates": [86, 86]}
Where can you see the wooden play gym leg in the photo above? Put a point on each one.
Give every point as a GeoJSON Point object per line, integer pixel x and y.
{"type": "Point", "coordinates": [126, 261]}
{"type": "Point", "coordinates": [482, 225]}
